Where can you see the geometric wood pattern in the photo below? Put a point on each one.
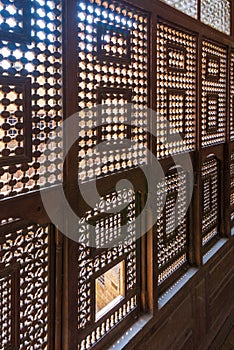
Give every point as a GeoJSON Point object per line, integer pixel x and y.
{"type": "Point", "coordinates": [9, 306]}
{"type": "Point", "coordinates": [214, 75]}
{"type": "Point", "coordinates": [112, 69]}
{"type": "Point", "coordinates": [210, 197]}
{"type": "Point", "coordinates": [176, 111]}
{"type": "Point", "coordinates": [232, 180]}
{"type": "Point", "coordinates": [212, 113]}
{"type": "Point", "coordinates": [217, 14]}
{"type": "Point", "coordinates": [107, 38]}
{"type": "Point", "coordinates": [187, 75]}
{"type": "Point", "coordinates": [232, 96]}
{"type": "Point", "coordinates": [15, 127]}
{"type": "Point", "coordinates": [94, 262]}
{"type": "Point", "coordinates": [24, 276]}
{"type": "Point", "coordinates": [122, 54]}
{"type": "Point", "coordinates": [15, 20]}
{"type": "Point", "coordinates": [114, 121]}
{"type": "Point", "coordinates": [38, 60]}
{"type": "Point", "coordinates": [176, 90]}
{"type": "Point", "coordinates": [172, 231]}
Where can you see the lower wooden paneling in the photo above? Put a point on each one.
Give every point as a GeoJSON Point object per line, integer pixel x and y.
{"type": "Point", "coordinates": [200, 315]}
{"type": "Point", "coordinates": [187, 343]}
{"type": "Point", "coordinates": [219, 306]}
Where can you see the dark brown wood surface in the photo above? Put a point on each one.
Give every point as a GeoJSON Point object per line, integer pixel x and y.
{"type": "Point", "coordinates": [200, 315]}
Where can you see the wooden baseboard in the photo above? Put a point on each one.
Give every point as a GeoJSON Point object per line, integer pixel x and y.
{"type": "Point", "coordinates": [223, 333]}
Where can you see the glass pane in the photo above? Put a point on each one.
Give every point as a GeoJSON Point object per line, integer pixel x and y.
{"type": "Point", "coordinates": [187, 6]}
{"type": "Point", "coordinates": [109, 289]}
{"type": "Point", "coordinates": [216, 13]}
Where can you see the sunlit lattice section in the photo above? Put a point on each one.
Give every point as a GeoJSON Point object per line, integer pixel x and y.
{"type": "Point", "coordinates": [15, 120]}
{"type": "Point", "coordinates": [186, 6]}
{"type": "Point", "coordinates": [232, 218]}
{"type": "Point", "coordinates": [24, 254]}
{"type": "Point", "coordinates": [217, 14]}
{"type": "Point", "coordinates": [232, 96]}
{"type": "Point", "coordinates": [40, 61]}
{"type": "Point", "coordinates": [176, 90]}
{"type": "Point", "coordinates": [210, 200]}
{"type": "Point", "coordinates": [109, 289]}
{"type": "Point", "coordinates": [94, 263]}
{"type": "Point", "coordinates": [214, 72]}
{"type": "Point", "coordinates": [112, 70]}
{"type": "Point", "coordinates": [114, 119]}
{"type": "Point", "coordinates": [171, 224]}
{"type": "Point", "coordinates": [14, 20]}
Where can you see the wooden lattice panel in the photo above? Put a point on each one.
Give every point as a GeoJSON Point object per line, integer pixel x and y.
{"type": "Point", "coordinates": [214, 79]}
{"type": "Point", "coordinates": [24, 276]}
{"type": "Point", "coordinates": [39, 60]}
{"type": "Point", "coordinates": [93, 262]}
{"type": "Point", "coordinates": [210, 198]}
{"type": "Point", "coordinates": [15, 20]}
{"type": "Point", "coordinates": [232, 179]}
{"type": "Point", "coordinates": [176, 90]}
{"type": "Point", "coordinates": [217, 14]}
{"type": "Point", "coordinates": [171, 225]}
{"type": "Point", "coordinates": [232, 97]}
{"type": "Point", "coordinates": [15, 119]}
{"type": "Point", "coordinates": [186, 6]}
{"type": "Point", "coordinates": [112, 69]}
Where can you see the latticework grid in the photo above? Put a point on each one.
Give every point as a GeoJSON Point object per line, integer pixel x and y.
{"type": "Point", "coordinates": [112, 55]}
{"type": "Point", "coordinates": [14, 20]}
{"type": "Point", "coordinates": [171, 224]}
{"type": "Point", "coordinates": [217, 14]}
{"type": "Point", "coordinates": [232, 97]}
{"type": "Point", "coordinates": [41, 61]}
{"type": "Point", "coordinates": [28, 247]}
{"type": "Point", "coordinates": [232, 179]}
{"type": "Point", "coordinates": [15, 120]}
{"type": "Point", "coordinates": [176, 90]}
{"type": "Point", "coordinates": [114, 51]}
{"type": "Point", "coordinates": [108, 230]}
{"type": "Point", "coordinates": [210, 198]}
{"type": "Point", "coordinates": [214, 93]}
{"type": "Point", "coordinates": [93, 263]}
